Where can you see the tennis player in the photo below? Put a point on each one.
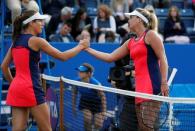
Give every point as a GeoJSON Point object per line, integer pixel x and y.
{"type": "Point", "coordinates": [148, 54]}
{"type": "Point", "coordinates": [25, 93]}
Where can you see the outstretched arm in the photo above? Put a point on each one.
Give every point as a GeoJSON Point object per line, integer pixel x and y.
{"type": "Point", "coordinates": [110, 57]}
{"type": "Point", "coordinates": [37, 43]}
{"type": "Point", "coordinates": [5, 66]}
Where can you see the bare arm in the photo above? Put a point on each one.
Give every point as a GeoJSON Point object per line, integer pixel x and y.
{"type": "Point", "coordinates": [37, 43]}
{"type": "Point", "coordinates": [154, 40]}
{"type": "Point", "coordinates": [110, 57]}
{"type": "Point", "coordinates": [5, 66]}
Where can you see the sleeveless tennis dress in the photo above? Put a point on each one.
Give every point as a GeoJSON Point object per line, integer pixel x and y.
{"type": "Point", "coordinates": [25, 90]}
{"type": "Point", "coordinates": [148, 76]}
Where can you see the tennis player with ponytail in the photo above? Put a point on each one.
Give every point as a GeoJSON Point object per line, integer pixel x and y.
{"type": "Point", "coordinates": [148, 54]}
{"type": "Point", "coordinates": [25, 93]}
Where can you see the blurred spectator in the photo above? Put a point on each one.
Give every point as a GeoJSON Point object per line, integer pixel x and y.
{"type": "Point", "coordinates": [81, 21]}
{"type": "Point", "coordinates": [119, 7]}
{"type": "Point", "coordinates": [104, 21]}
{"type": "Point", "coordinates": [52, 7]}
{"type": "Point", "coordinates": [16, 6]}
{"type": "Point", "coordinates": [123, 30]}
{"type": "Point", "coordinates": [110, 36]}
{"type": "Point", "coordinates": [64, 34]}
{"type": "Point", "coordinates": [57, 21]}
{"type": "Point", "coordinates": [141, 3]}
{"type": "Point", "coordinates": [66, 15]}
{"type": "Point", "coordinates": [84, 35]}
{"type": "Point", "coordinates": [174, 28]}
{"type": "Point", "coordinates": [161, 3]}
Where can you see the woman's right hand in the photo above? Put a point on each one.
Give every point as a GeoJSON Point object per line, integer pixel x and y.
{"type": "Point", "coordinates": [84, 43]}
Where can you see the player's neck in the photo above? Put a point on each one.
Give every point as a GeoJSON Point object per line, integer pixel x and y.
{"type": "Point", "coordinates": [29, 32]}
{"type": "Point", "coordinates": [140, 31]}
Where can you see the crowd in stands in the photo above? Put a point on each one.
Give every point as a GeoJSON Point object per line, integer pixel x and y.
{"type": "Point", "coordinates": [104, 20]}
{"type": "Point", "coordinates": [174, 28]}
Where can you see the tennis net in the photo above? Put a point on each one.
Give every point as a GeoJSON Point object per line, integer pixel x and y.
{"type": "Point", "coordinates": [157, 113]}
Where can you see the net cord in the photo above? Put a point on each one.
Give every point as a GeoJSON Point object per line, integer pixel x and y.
{"type": "Point", "coordinates": [120, 91]}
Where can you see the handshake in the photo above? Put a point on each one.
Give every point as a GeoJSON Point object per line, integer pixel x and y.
{"type": "Point", "coordinates": [84, 44]}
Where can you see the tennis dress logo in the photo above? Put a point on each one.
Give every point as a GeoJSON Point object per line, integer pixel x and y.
{"type": "Point", "coordinates": [53, 109]}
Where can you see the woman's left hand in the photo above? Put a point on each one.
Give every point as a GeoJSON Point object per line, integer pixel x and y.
{"type": "Point", "coordinates": [165, 89]}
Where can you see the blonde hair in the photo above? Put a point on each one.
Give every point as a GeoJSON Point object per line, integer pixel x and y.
{"type": "Point", "coordinates": [152, 18]}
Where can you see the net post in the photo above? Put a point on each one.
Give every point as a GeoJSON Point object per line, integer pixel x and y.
{"type": "Point", "coordinates": [61, 105]}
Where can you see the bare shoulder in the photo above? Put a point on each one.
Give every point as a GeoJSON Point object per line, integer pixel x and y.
{"type": "Point", "coordinates": [36, 43]}
{"type": "Point", "coordinates": [151, 33]}
{"type": "Point", "coordinates": [152, 36]}
{"type": "Point", "coordinates": [36, 39]}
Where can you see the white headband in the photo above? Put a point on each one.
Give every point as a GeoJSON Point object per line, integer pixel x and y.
{"type": "Point", "coordinates": [36, 16]}
{"type": "Point", "coordinates": [136, 13]}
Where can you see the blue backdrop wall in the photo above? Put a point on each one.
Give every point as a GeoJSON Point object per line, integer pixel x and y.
{"type": "Point", "coordinates": [179, 56]}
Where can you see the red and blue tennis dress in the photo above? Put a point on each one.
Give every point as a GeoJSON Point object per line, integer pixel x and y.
{"type": "Point", "coordinates": [147, 70]}
{"type": "Point", "coordinates": [25, 90]}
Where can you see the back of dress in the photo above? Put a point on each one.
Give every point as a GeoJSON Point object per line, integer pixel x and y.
{"type": "Point", "coordinates": [25, 90]}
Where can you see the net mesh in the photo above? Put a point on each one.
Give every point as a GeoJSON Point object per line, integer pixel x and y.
{"type": "Point", "coordinates": [52, 87]}
{"type": "Point", "coordinates": [156, 113]}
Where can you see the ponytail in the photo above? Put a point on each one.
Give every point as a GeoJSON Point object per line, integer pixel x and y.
{"type": "Point", "coordinates": [18, 23]}
{"type": "Point", "coordinates": [152, 18]}
{"type": "Point", "coordinates": [17, 28]}
{"type": "Point", "coordinates": [153, 22]}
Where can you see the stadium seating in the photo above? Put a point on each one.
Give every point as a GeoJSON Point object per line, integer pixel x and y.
{"type": "Point", "coordinates": [188, 21]}
{"type": "Point", "coordinates": [161, 12]}
{"type": "Point", "coordinates": [91, 3]}
{"type": "Point", "coordinates": [161, 24]}
{"type": "Point", "coordinates": [186, 13]}
{"type": "Point", "coordinates": [178, 3]}
{"type": "Point", "coordinates": [107, 2]}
